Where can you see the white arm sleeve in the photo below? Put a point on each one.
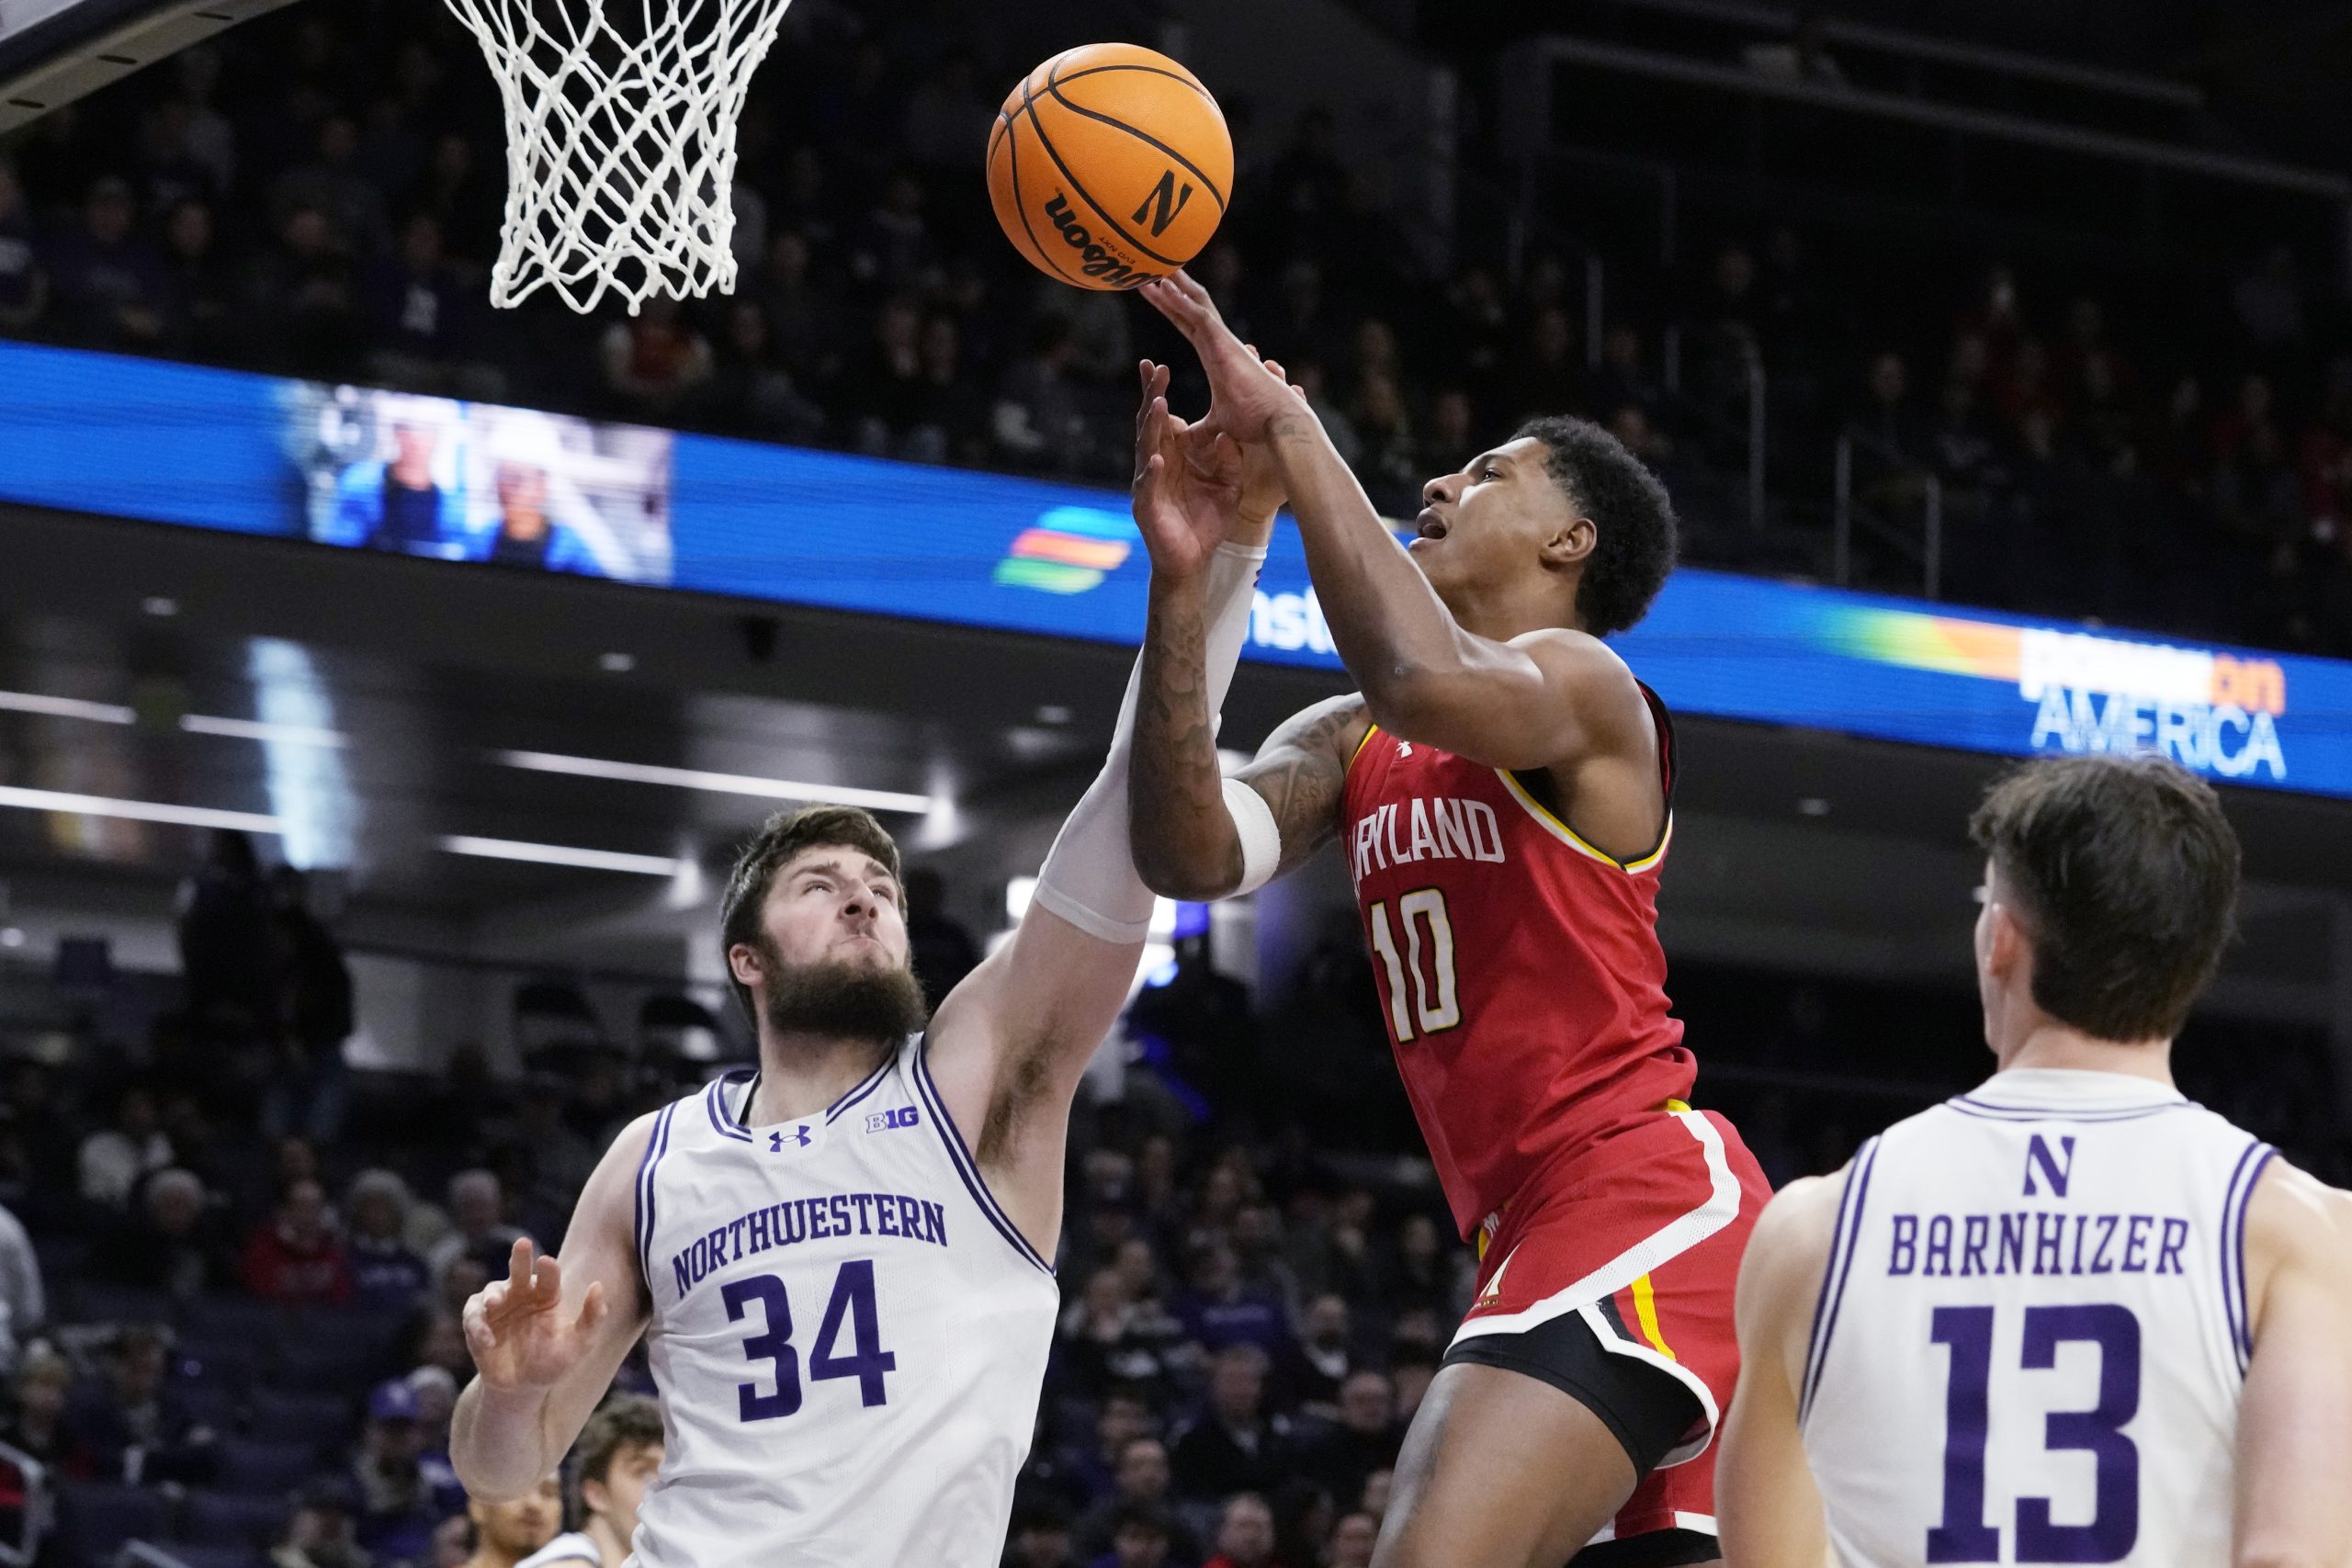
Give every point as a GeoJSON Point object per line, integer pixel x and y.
{"type": "Point", "coordinates": [1089, 874]}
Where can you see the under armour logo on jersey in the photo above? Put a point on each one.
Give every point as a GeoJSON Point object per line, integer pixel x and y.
{"type": "Point", "coordinates": [799, 1135]}
{"type": "Point", "coordinates": [2037, 1152]}
{"type": "Point", "coordinates": [883, 1121]}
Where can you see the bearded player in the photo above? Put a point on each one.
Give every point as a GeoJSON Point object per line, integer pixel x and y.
{"type": "Point", "coordinates": [840, 1258]}
{"type": "Point", "coordinates": [1501, 786]}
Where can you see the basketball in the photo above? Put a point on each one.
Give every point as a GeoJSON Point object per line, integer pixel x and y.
{"type": "Point", "coordinates": [1110, 165]}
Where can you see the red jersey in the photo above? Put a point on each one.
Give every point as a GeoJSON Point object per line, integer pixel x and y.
{"type": "Point", "coordinates": [1523, 983]}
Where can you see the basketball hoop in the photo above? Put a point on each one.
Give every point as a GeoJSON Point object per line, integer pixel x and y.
{"type": "Point", "coordinates": [620, 141]}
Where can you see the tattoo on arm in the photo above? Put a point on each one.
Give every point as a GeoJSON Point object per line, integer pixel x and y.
{"type": "Point", "coordinates": [1184, 843]}
{"type": "Point", "coordinates": [1302, 772]}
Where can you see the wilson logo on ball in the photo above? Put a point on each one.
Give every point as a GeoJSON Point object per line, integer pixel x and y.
{"type": "Point", "coordinates": [1092, 259]}
{"type": "Point", "coordinates": [1163, 204]}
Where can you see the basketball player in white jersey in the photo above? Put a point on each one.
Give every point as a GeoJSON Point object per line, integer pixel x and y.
{"type": "Point", "coordinates": [2069, 1316]}
{"type": "Point", "coordinates": [617, 1458]}
{"type": "Point", "coordinates": [840, 1259]}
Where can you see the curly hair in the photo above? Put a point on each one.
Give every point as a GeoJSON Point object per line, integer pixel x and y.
{"type": "Point", "coordinates": [1634, 531]}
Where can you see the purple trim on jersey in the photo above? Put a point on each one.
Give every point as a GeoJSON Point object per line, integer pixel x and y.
{"type": "Point", "coordinates": [1847, 1241]}
{"type": "Point", "coordinates": [715, 1101]}
{"type": "Point", "coordinates": [656, 1143]}
{"type": "Point", "coordinates": [862, 1090]}
{"type": "Point", "coordinates": [2234, 1207]}
{"type": "Point", "coordinates": [966, 1166]}
{"type": "Point", "coordinates": [1985, 1111]}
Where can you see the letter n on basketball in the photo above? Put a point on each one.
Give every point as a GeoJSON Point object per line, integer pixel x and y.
{"type": "Point", "coordinates": [1163, 204]}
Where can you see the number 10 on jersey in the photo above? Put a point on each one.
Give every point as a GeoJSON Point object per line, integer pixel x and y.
{"type": "Point", "coordinates": [1427, 957]}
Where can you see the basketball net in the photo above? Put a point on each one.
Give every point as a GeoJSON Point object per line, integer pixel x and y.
{"type": "Point", "coordinates": [620, 141]}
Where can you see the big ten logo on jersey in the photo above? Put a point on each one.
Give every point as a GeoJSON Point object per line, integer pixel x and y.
{"type": "Point", "coordinates": [887, 1121]}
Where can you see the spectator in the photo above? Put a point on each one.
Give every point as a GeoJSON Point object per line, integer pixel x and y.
{"type": "Point", "coordinates": [115, 1157]}
{"type": "Point", "coordinates": [1142, 1536]}
{"type": "Point", "coordinates": [1245, 1535]}
{"type": "Point", "coordinates": [1313, 1366]}
{"type": "Point", "coordinates": [110, 284]}
{"type": "Point", "coordinates": [331, 183]}
{"type": "Point", "coordinates": [1632, 427]}
{"type": "Point", "coordinates": [750, 393]}
{"type": "Point", "coordinates": [801, 315]}
{"type": "Point", "coordinates": [453, 1542]}
{"type": "Point", "coordinates": [505, 1533]}
{"type": "Point", "coordinates": [385, 1271]}
{"type": "Point", "coordinates": [951, 415]}
{"type": "Point", "coordinates": [436, 1405]}
{"type": "Point", "coordinates": [1352, 1539]}
{"type": "Point", "coordinates": [321, 1533]}
{"type": "Point", "coordinates": [653, 359]}
{"type": "Point", "coordinates": [24, 286]}
{"type": "Point", "coordinates": [316, 1010]}
{"type": "Point", "coordinates": [1142, 1481]}
{"type": "Point", "coordinates": [890, 249]}
{"type": "Point", "coordinates": [398, 1505]}
{"type": "Point", "coordinates": [424, 319]}
{"type": "Point", "coordinates": [1425, 1274]}
{"type": "Point", "coordinates": [881, 389]}
{"type": "Point", "coordinates": [202, 289]}
{"type": "Point", "coordinates": [465, 202]}
{"type": "Point", "coordinates": [1220, 1310]}
{"type": "Point", "coordinates": [36, 1424]}
{"type": "Point", "coordinates": [478, 1222]}
{"type": "Point", "coordinates": [1039, 421]}
{"type": "Point", "coordinates": [294, 1258]}
{"type": "Point", "coordinates": [125, 1425]}
{"type": "Point", "coordinates": [304, 302]}
{"type": "Point", "coordinates": [1363, 1441]}
{"type": "Point", "coordinates": [1040, 1536]}
{"type": "Point", "coordinates": [1233, 1446]}
{"type": "Point", "coordinates": [171, 1244]}
{"type": "Point", "coordinates": [1122, 1417]}
{"type": "Point", "coordinates": [1548, 375]}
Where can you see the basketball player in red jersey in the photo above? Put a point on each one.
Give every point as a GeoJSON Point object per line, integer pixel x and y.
{"type": "Point", "coordinates": [1500, 787]}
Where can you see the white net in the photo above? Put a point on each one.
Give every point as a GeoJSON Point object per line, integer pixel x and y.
{"type": "Point", "coordinates": [620, 141]}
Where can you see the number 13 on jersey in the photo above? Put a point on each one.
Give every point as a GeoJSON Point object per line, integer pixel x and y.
{"type": "Point", "coordinates": [1427, 957]}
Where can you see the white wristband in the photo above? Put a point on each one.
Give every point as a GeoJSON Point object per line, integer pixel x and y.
{"type": "Point", "coordinates": [1260, 835]}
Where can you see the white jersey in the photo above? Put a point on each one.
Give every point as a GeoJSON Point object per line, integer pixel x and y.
{"type": "Point", "coordinates": [572, 1547]}
{"type": "Point", "coordinates": [848, 1334]}
{"type": "Point", "coordinates": [2033, 1332]}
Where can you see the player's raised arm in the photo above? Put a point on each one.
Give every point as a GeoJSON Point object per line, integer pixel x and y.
{"type": "Point", "coordinates": [546, 1339]}
{"type": "Point", "coordinates": [2295, 1416]}
{"type": "Point", "coordinates": [1766, 1502]}
{"type": "Point", "coordinates": [1526, 702]}
{"type": "Point", "coordinates": [1009, 1045]}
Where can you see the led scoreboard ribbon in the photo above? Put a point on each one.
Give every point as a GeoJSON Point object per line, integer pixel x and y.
{"type": "Point", "coordinates": [226, 450]}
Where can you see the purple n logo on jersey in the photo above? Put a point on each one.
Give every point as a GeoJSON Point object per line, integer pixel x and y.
{"type": "Point", "coordinates": [2037, 1152]}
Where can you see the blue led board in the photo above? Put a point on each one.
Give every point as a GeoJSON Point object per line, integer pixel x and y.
{"type": "Point", "coordinates": [356, 468]}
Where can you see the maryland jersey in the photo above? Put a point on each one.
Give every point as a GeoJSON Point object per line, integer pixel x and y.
{"type": "Point", "coordinates": [848, 1334]}
{"type": "Point", "coordinates": [2033, 1332]}
{"type": "Point", "coordinates": [1524, 985]}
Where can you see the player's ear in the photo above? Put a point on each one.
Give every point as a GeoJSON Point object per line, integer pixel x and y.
{"type": "Point", "coordinates": [594, 1496]}
{"type": "Point", "coordinates": [1569, 541]}
{"type": "Point", "coordinates": [743, 963]}
{"type": "Point", "coordinates": [2005, 939]}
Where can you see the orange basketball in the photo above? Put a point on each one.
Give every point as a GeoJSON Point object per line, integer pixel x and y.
{"type": "Point", "coordinates": [1109, 166]}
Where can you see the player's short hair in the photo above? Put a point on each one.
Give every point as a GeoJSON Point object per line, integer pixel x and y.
{"type": "Point", "coordinates": [2126, 873]}
{"type": "Point", "coordinates": [1636, 534]}
{"type": "Point", "coordinates": [623, 1421]}
{"type": "Point", "coordinates": [782, 836]}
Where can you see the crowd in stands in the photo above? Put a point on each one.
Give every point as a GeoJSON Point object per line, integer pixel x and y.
{"type": "Point", "coordinates": [244, 1347]}
{"type": "Point", "coordinates": [320, 195]}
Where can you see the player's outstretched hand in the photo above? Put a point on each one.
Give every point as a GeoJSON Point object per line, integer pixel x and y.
{"type": "Point", "coordinates": [521, 1337]}
{"type": "Point", "coordinates": [1188, 482]}
{"type": "Point", "coordinates": [1244, 394]}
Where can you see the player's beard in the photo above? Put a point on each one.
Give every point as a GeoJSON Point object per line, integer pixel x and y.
{"type": "Point", "coordinates": [844, 1000]}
